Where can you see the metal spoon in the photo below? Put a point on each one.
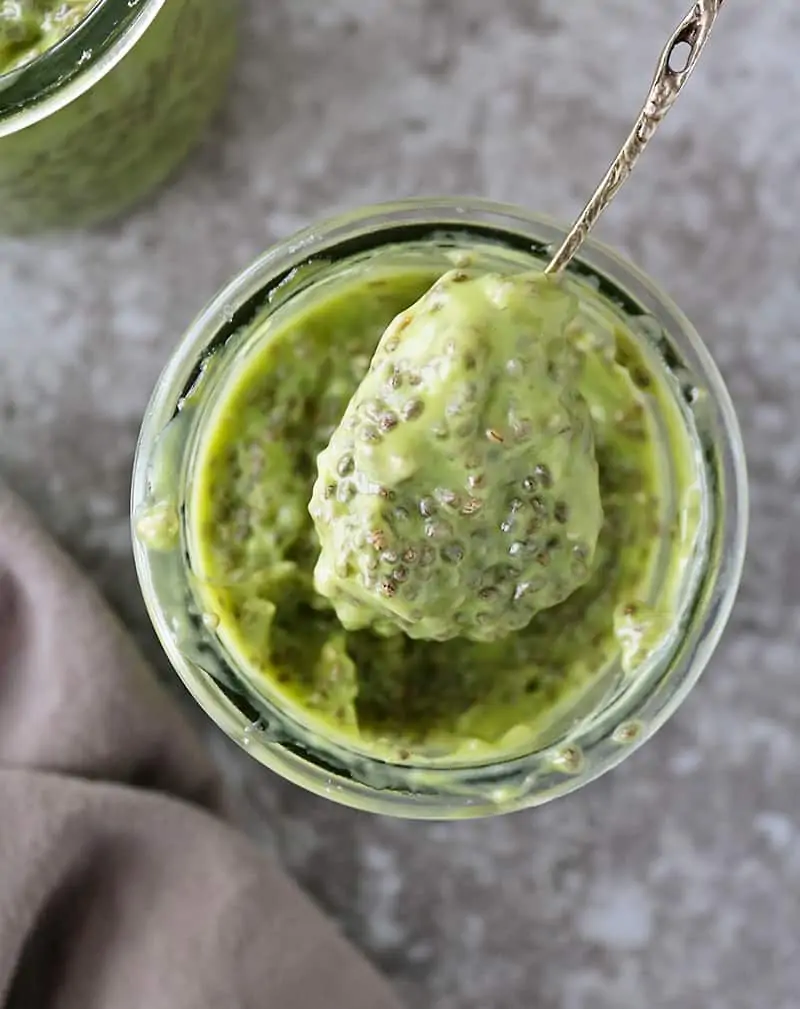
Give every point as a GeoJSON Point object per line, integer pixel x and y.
{"type": "Point", "coordinates": [674, 69]}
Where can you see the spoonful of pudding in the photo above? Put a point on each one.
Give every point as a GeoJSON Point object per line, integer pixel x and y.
{"type": "Point", "coordinates": [460, 495]}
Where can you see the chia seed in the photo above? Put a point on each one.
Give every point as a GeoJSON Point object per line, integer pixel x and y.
{"type": "Point", "coordinates": [377, 539]}
{"type": "Point", "coordinates": [413, 409]}
{"type": "Point", "coordinates": [346, 492]}
{"type": "Point", "coordinates": [374, 408]}
{"type": "Point", "coordinates": [346, 465]}
{"type": "Point", "coordinates": [437, 529]}
{"type": "Point", "coordinates": [453, 553]}
{"type": "Point", "coordinates": [427, 507]}
{"type": "Point", "coordinates": [369, 434]}
{"type": "Point", "coordinates": [539, 506]}
{"type": "Point", "coordinates": [544, 476]}
{"type": "Point", "coordinates": [448, 498]}
{"type": "Point", "coordinates": [427, 556]}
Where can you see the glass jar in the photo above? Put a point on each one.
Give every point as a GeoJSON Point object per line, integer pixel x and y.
{"type": "Point", "coordinates": [605, 724]}
{"type": "Point", "coordinates": [98, 120]}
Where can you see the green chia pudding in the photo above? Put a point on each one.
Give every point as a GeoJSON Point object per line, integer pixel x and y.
{"type": "Point", "coordinates": [29, 28]}
{"type": "Point", "coordinates": [426, 530]}
{"type": "Point", "coordinates": [100, 100]}
{"type": "Point", "coordinates": [460, 494]}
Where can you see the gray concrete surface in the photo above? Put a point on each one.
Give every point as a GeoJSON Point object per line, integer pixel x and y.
{"type": "Point", "coordinates": [673, 883]}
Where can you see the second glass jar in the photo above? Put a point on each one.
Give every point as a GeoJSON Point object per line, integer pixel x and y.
{"type": "Point", "coordinates": [93, 124]}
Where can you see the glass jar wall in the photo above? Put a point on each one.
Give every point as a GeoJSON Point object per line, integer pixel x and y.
{"type": "Point", "coordinates": [616, 705]}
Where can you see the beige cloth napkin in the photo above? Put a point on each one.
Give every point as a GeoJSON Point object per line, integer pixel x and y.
{"type": "Point", "coordinates": [118, 887]}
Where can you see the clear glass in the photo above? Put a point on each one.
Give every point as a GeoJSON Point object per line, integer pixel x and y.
{"type": "Point", "coordinates": [97, 121]}
{"type": "Point", "coordinates": [608, 724]}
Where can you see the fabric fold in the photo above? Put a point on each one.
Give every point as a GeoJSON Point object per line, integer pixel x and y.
{"type": "Point", "coordinates": [119, 887]}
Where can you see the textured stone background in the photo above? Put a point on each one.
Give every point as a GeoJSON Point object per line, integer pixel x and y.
{"type": "Point", "coordinates": [673, 883]}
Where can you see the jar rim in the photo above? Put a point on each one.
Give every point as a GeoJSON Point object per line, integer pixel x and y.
{"type": "Point", "coordinates": [65, 71]}
{"type": "Point", "coordinates": [620, 727]}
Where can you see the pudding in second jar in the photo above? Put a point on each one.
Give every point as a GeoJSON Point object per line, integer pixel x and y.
{"type": "Point", "coordinates": [29, 28]}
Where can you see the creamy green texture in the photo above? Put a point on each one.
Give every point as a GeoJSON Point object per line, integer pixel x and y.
{"type": "Point", "coordinates": [29, 28]}
{"type": "Point", "coordinates": [278, 401]}
{"type": "Point", "coordinates": [63, 165]}
{"type": "Point", "coordinates": [459, 494]}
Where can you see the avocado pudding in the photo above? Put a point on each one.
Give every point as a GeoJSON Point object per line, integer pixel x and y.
{"type": "Point", "coordinates": [437, 549]}
{"type": "Point", "coordinates": [460, 495]}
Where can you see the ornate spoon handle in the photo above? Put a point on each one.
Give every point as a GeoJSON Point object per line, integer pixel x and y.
{"type": "Point", "coordinates": [674, 70]}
